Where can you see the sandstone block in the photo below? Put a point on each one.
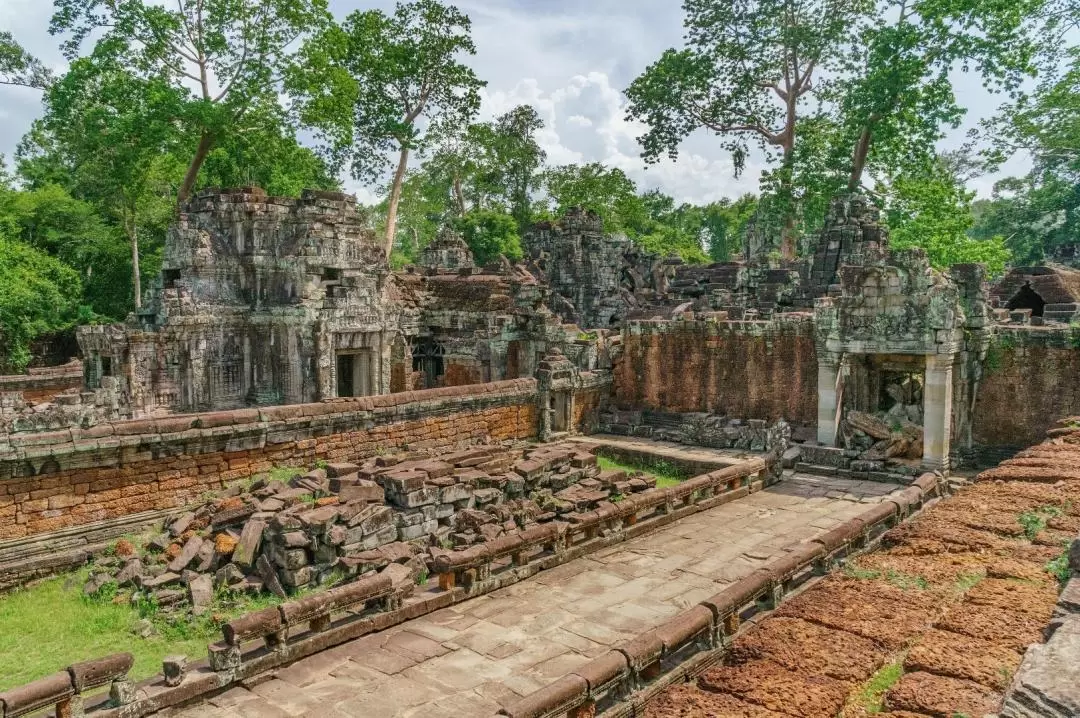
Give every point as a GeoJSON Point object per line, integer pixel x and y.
{"type": "Point", "coordinates": [201, 592]}
{"type": "Point", "coordinates": [250, 540]}
{"type": "Point", "coordinates": [457, 492]}
{"type": "Point", "coordinates": [187, 554]}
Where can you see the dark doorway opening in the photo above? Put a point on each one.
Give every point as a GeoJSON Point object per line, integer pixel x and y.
{"type": "Point", "coordinates": [427, 358]}
{"type": "Point", "coordinates": [1027, 298]}
{"type": "Point", "coordinates": [345, 383]}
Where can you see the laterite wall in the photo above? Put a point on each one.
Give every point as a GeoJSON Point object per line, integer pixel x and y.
{"type": "Point", "coordinates": [73, 477]}
{"type": "Point", "coordinates": [743, 369]}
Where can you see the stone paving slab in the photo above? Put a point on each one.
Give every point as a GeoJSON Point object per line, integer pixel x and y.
{"type": "Point", "coordinates": [668, 449]}
{"type": "Point", "coordinates": [470, 659]}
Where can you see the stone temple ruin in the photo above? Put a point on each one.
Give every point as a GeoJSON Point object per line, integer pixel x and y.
{"type": "Point", "coordinates": [286, 414]}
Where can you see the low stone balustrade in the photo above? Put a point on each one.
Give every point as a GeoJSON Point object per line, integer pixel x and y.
{"type": "Point", "coordinates": [65, 691]}
{"type": "Point", "coordinates": [696, 638]}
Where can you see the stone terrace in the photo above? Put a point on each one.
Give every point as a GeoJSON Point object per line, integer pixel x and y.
{"type": "Point", "coordinates": [473, 658]}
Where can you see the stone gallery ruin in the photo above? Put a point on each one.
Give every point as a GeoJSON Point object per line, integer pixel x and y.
{"type": "Point", "coordinates": [595, 482]}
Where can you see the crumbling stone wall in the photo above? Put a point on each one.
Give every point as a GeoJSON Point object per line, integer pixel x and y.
{"type": "Point", "coordinates": [749, 370]}
{"type": "Point", "coordinates": [596, 279]}
{"type": "Point", "coordinates": [73, 477]}
{"type": "Point", "coordinates": [1029, 381]}
{"type": "Point", "coordinates": [41, 384]}
{"type": "Point", "coordinates": [257, 297]}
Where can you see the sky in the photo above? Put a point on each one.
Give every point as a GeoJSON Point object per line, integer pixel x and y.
{"type": "Point", "coordinates": [570, 59]}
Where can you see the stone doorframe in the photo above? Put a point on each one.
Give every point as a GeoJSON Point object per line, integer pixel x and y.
{"type": "Point", "coordinates": [937, 404]}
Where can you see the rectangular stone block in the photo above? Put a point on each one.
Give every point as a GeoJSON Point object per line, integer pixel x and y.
{"type": "Point", "coordinates": [363, 490]}
{"type": "Point", "coordinates": [457, 492]}
{"type": "Point", "coordinates": [421, 497]}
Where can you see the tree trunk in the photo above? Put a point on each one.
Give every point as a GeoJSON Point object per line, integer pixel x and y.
{"type": "Point", "coordinates": [459, 195]}
{"type": "Point", "coordinates": [395, 200]}
{"type": "Point", "coordinates": [787, 236]}
{"type": "Point", "coordinates": [136, 278]}
{"type": "Point", "coordinates": [206, 143]}
{"type": "Point", "coordinates": [858, 161]}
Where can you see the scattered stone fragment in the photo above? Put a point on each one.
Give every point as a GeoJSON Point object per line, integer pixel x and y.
{"type": "Point", "coordinates": [201, 591]}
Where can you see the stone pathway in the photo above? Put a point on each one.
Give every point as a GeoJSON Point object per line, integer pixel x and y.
{"type": "Point", "coordinates": [668, 449]}
{"type": "Point", "coordinates": [470, 659]}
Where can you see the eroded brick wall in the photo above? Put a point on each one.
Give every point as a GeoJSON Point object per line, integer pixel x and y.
{"type": "Point", "coordinates": [71, 478]}
{"type": "Point", "coordinates": [586, 410]}
{"type": "Point", "coordinates": [748, 370]}
{"type": "Point", "coordinates": [1030, 381]}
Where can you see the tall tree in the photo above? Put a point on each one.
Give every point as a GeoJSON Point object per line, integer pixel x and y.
{"type": "Point", "coordinates": [384, 81]}
{"type": "Point", "coordinates": [1039, 213]}
{"type": "Point", "coordinates": [18, 67]}
{"type": "Point", "coordinates": [899, 91]}
{"type": "Point", "coordinates": [233, 52]}
{"type": "Point", "coordinates": [519, 158]}
{"type": "Point", "coordinates": [113, 130]}
{"type": "Point", "coordinates": [745, 70]}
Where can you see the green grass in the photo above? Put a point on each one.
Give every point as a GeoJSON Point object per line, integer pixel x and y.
{"type": "Point", "coordinates": [1035, 521]}
{"type": "Point", "coordinates": [906, 582]}
{"type": "Point", "coordinates": [968, 581]}
{"type": "Point", "coordinates": [51, 624]}
{"type": "Point", "coordinates": [666, 473]}
{"type": "Point", "coordinates": [1059, 567]}
{"type": "Point", "coordinates": [871, 695]}
{"type": "Point", "coordinates": [861, 574]}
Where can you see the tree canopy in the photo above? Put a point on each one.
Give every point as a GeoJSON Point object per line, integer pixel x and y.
{"type": "Point", "coordinates": [378, 83]}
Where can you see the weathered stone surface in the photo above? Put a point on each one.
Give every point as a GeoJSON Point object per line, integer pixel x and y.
{"type": "Point", "coordinates": [174, 669]}
{"type": "Point", "coordinates": [1045, 686]}
{"type": "Point", "coordinates": [201, 593]}
{"type": "Point", "coordinates": [250, 540]}
{"type": "Point", "coordinates": [187, 555]}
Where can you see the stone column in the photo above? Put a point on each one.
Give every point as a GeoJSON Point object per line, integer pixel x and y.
{"type": "Point", "coordinates": [937, 412]}
{"type": "Point", "coordinates": [828, 367]}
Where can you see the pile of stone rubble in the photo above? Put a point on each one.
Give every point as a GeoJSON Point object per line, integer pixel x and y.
{"type": "Point", "coordinates": [343, 520]}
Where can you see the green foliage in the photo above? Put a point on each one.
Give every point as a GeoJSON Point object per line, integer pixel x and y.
{"type": "Point", "coordinates": [39, 294]}
{"type": "Point", "coordinates": [214, 62]}
{"type": "Point", "coordinates": [490, 234]}
{"type": "Point", "coordinates": [1059, 568]}
{"type": "Point", "coordinates": [724, 224]}
{"type": "Point", "coordinates": [1039, 212]}
{"type": "Point", "coordinates": [929, 208]}
{"type": "Point", "coordinates": [651, 219]}
{"type": "Point", "coordinates": [1034, 522]}
{"type": "Point", "coordinates": [607, 191]}
{"type": "Point", "coordinates": [72, 231]}
{"type": "Point", "coordinates": [18, 67]}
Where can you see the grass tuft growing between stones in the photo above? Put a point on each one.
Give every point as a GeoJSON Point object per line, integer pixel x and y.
{"type": "Point", "coordinates": [1034, 521]}
{"type": "Point", "coordinates": [870, 696]}
{"type": "Point", "coordinates": [1059, 567]}
{"type": "Point", "coordinates": [666, 473]}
